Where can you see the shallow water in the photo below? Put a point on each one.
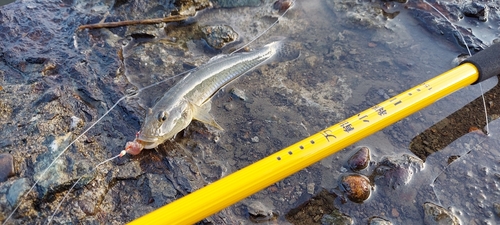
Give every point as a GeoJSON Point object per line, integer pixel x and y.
{"type": "Point", "coordinates": [351, 59]}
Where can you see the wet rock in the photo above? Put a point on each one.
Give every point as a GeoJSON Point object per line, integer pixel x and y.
{"type": "Point", "coordinates": [336, 218]}
{"type": "Point", "coordinates": [476, 10]}
{"type": "Point", "coordinates": [258, 212]}
{"type": "Point", "coordinates": [236, 3]}
{"type": "Point", "coordinates": [219, 36]}
{"type": "Point", "coordinates": [397, 171]}
{"type": "Point", "coordinates": [378, 221]}
{"type": "Point", "coordinates": [439, 26]}
{"type": "Point", "coordinates": [130, 170]}
{"type": "Point", "coordinates": [437, 215]}
{"type": "Point", "coordinates": [6, 166]}
{"type": "Point", "coordinates": [360, 159]}
{"type": "Point", "coordinates": [17, 190]}
{"type": "Point", "coordinates": [356, 187]}
{"type": "Point", "coordinates": [164, 190]}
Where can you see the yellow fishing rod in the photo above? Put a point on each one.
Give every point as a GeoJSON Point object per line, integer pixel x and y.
{"type": "Point", "coordinates": [253, 178]}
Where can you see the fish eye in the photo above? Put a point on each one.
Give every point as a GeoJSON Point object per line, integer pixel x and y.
{"type": "Point", "coordinates": [162, 116]}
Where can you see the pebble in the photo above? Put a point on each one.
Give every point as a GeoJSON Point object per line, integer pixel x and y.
{"type": "Point", "coordinates": [356, 187]}
{"type": "Point", "coordinates": [436, 215]}
{"type": "Point", "coordinates": [6, 166]}
{"type": "Point", "coordinates": [255, 139]}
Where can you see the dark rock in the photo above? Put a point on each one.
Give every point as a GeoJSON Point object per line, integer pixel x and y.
{"type": "Point", "coordinates": [476, 10]}
{"type": "Point", "coordinates": [6, 166]}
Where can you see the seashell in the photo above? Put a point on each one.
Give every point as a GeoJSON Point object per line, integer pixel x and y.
{"type": "Point", "coordinates": [360, 159]}
{"type": "Point", "coordinates": [356, 187]}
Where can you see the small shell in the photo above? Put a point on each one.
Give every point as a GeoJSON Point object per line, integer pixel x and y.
{"type": "Point", "coordinates": [360, 159]}
{"type": "Point", "coordinates": [356, 187]}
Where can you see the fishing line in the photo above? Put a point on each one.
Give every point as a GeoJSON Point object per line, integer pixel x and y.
{"type": "Point", "coordinates": [87, 130]}
{"type": "Point", "coordinates": [265, 31]}
{"type": "Point", "coordinates": [480, 87]}
{"type": "Point", "coordinates": [470, 54]}
{"type": "Point", "coordinates": [127, 96]}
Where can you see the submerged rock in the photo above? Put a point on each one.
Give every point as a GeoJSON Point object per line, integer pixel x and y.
{"type": "Point", "coordinates": [436, 215]}
{"type": "Point", "coordinates": [397, 171]}
{"type": "Point", "coordinates": [356, 187]}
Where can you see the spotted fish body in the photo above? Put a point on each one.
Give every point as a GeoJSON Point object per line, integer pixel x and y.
{"type": "Point", "coordinates": [189, 98]}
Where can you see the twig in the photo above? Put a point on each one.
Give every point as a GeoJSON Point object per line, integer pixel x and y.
{"type": "Point", "coordinates": [133, 22]}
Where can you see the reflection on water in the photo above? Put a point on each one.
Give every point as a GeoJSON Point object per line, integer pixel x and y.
{"type": "Point", "coordinates": [353, 57]}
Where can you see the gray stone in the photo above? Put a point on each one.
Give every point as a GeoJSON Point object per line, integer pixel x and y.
{"type": "Point", "coordinates": [17, 190]}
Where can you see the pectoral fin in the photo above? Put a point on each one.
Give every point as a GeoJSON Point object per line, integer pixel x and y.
{"type": "Point", "coordinates": [202, 113]}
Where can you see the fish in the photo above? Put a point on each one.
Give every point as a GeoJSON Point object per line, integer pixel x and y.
{"type": "Point", "coordinates": [190, 98]}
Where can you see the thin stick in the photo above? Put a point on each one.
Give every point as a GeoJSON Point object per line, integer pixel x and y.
{"type": "Point", "coordinates": [134, 22]}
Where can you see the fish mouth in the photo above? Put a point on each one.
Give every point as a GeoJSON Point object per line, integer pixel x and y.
{"type": "Point", "coordinates": [144, 138]}
{"type": "Point", "coordinates": [148, 142]}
